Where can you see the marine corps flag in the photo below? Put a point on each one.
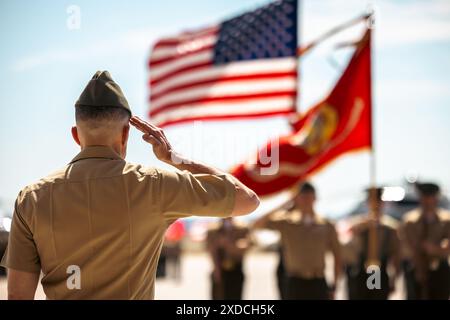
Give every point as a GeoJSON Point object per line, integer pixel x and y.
{"type": "Point", "coordinates": [339, 124]}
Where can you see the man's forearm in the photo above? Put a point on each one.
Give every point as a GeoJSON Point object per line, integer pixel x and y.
{"type": "Point", "coordinates": [183, 163]}
{"type": "Point", "coordinates": [22, 285]}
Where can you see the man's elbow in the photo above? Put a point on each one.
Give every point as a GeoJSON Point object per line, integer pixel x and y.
{"type": "Point", "coordinates": [245, 203]}
{"type": "Point", "coordinates": [22, 285]}
{"type": "Point", "coordinates": [16, 295]}
{"type": "Point", "coordinates": [254, 202]}
{"type": "Point", "coordinates": [13, 296]}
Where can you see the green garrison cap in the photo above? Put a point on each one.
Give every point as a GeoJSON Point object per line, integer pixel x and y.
{"type": "Point", "coordinates": [428, 189]}
{"type": "Point", "coordinates": [102, 91]}
{"type": "Point", "coordinates": [378, 192]}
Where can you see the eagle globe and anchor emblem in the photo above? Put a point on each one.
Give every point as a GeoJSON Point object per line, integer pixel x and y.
{"type": "Point", "coordinates": [316, 133]}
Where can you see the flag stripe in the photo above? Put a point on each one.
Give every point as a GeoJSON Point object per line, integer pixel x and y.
{"type": "Point", "coordinates": [224, 89]}
{"type": "Point", "coordinates": [190, 69]}
{"type": "Point", "coordinates": [236, 98]}
{"type": "Point", "coordinates": [194, 84]}
{"type": "Point", "coordinates": [186, 53]}
{"type": "Point", "coordinates": [173, 52]}
{"type": "Point", "coordinates": [253, 106]}
{"type": "Point", "coordinates": [226, 116]}
{"type": "Point", "coordinates": [201, 72]}
{"type": "Point", "coordinates": [183, 37]}
{"type": "Point", "coordinates": [179, 64]}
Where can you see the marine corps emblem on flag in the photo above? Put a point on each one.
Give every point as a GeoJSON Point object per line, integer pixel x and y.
{"type": "Point", "coordinates": [318, 130]}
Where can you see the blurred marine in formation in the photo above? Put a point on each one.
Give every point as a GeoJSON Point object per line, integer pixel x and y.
{"type": "Point", "coordinates": [227, 244]}
{"type": "Point", "coordinates": [387, 256]}
{"type": "Point", "coordinates": [426, 235]}
{"type": "Point", "coordinates": [173, 249]}
{"type": "Point", "coordinates": [306, 238]}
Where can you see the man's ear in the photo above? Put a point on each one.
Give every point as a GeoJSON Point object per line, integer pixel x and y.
{"type": "Point", "coordinates": [125, 134]}
{"type": "Point", "coordinates": [75, 135]}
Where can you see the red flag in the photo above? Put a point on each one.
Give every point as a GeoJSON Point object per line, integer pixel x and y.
{"type": "Point", "coordinates": [339, 124]}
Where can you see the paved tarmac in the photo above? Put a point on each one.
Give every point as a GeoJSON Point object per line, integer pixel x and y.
{"type": "Point", "coordinates": [194, 284]}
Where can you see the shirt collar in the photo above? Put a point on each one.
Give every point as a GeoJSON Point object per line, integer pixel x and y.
{"type": "Point", "coordinates": [435, 219]}
{"type": "Point", "coordinates": [297, 217]}
{"type": "Point", "coordinates": [102, 152]}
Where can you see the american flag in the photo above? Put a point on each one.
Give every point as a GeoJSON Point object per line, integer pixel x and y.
{"type": "Point", "coordinates": [243, 67]}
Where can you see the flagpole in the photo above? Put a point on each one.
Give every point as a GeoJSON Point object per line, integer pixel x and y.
{"type": "Point", "coordinates": [299, 38]}
{"type": "Point", "coordinates": [302, 50]}
{"type": "Point", "coordinates": [373, 247]}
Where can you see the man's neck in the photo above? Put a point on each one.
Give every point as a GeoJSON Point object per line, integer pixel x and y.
{"type": "Point", "coordinates": [116, 148]}
{"type": "Point", "coordinates": [429, 214]}
{"type": "Point", "coordinates": [308, 212]}
{"type": "Point", "coordinates": [307, 216]}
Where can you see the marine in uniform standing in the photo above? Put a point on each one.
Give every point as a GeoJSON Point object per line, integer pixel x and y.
{"type": "Point", "coordinates": [227, 245]}
{"type": "Point", "coordinates": [281, 269]}
{"type": "Point", "coordinates": [95, 228]}
{"type": "Point", "coordinates": [387, 256]}
{"type": "Point", "coordinates": [173, 246]}
{"type": "Point", "coordinates": [426, 235]}
{"type": "Point", "coordinates": [306, 238]}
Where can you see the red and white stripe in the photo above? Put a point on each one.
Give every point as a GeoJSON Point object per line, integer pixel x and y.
{"type": "Point", "coordinates": [186, 85]}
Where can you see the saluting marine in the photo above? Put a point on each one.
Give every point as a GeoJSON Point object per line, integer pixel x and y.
{"type": "Point", "coordinates": [104, 218]}
{"type": "Point", "coordinates": [426, 235]}
{"type": "Point", "coordinates": [227, 245]}
{"type": "Point", "coordinates": [306, 238]}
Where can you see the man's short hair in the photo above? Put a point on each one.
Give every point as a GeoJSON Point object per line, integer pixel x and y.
{"type": "Point", "coordinates": [306, 187]}
{"type": "Point", "coordinates": [90, 113]}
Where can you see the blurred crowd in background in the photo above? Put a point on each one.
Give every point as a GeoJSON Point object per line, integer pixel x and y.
{"type": "Point", "coordinates": [402, 233]}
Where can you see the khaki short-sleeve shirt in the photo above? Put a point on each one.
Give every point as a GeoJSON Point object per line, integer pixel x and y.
{"type": "Point", "coordinates": [415, 230]}
{"type": "Point", "coordinates": [237, 236]}
{"type": "Point", "coordinates": [305, 244]}
{"type": "Point", "coordinates": [388, 242]}
{"type": "Point", "coordinates": [108, 218]}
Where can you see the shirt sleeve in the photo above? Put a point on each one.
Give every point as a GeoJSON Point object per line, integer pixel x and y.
{"type": "Point", "coordinates": [394, 243]}
{"type": "Point", "coordinates": [276, 221]}
{"type": "Point", "coordinates": [335, 245]}
{"type": "Point", "coordinates": [275, 224]}
{"type": "Point", "coordinates": [408, 232]}
{"type": "Point", "coordinates": [21, 253]}
{"type": "Point", "coordinates": [183, 194]}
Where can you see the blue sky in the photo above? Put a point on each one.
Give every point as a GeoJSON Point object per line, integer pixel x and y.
{"type": "Point", "coordinates": [45, 65]}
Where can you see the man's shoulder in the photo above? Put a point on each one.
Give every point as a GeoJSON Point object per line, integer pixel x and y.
{"type": "Point", "coordinates": [33, 191]}
{"type": "Point", "coordinates": [141, 170]}
{"type": "Point", "coordinates": [321, 220]}
{"type": "Point", "coordinates": [43, 183]}
{"type": "Point", "coordinates": [213, 229]}
{"type": "Point", "coordinates": [150, 171]}
{"type": "Point", "coordinates": [412, 217]}
{"type": "Point", "coordinates": [280, 216]}
{"type": "Point", "coordinates": [63, 175]}
{"type": "Point", "coordinates": [444, 215]}
{"type": "Point", "coordinates": [241, 226]}
{"type": "Point", "coordinates": [389, 222]}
